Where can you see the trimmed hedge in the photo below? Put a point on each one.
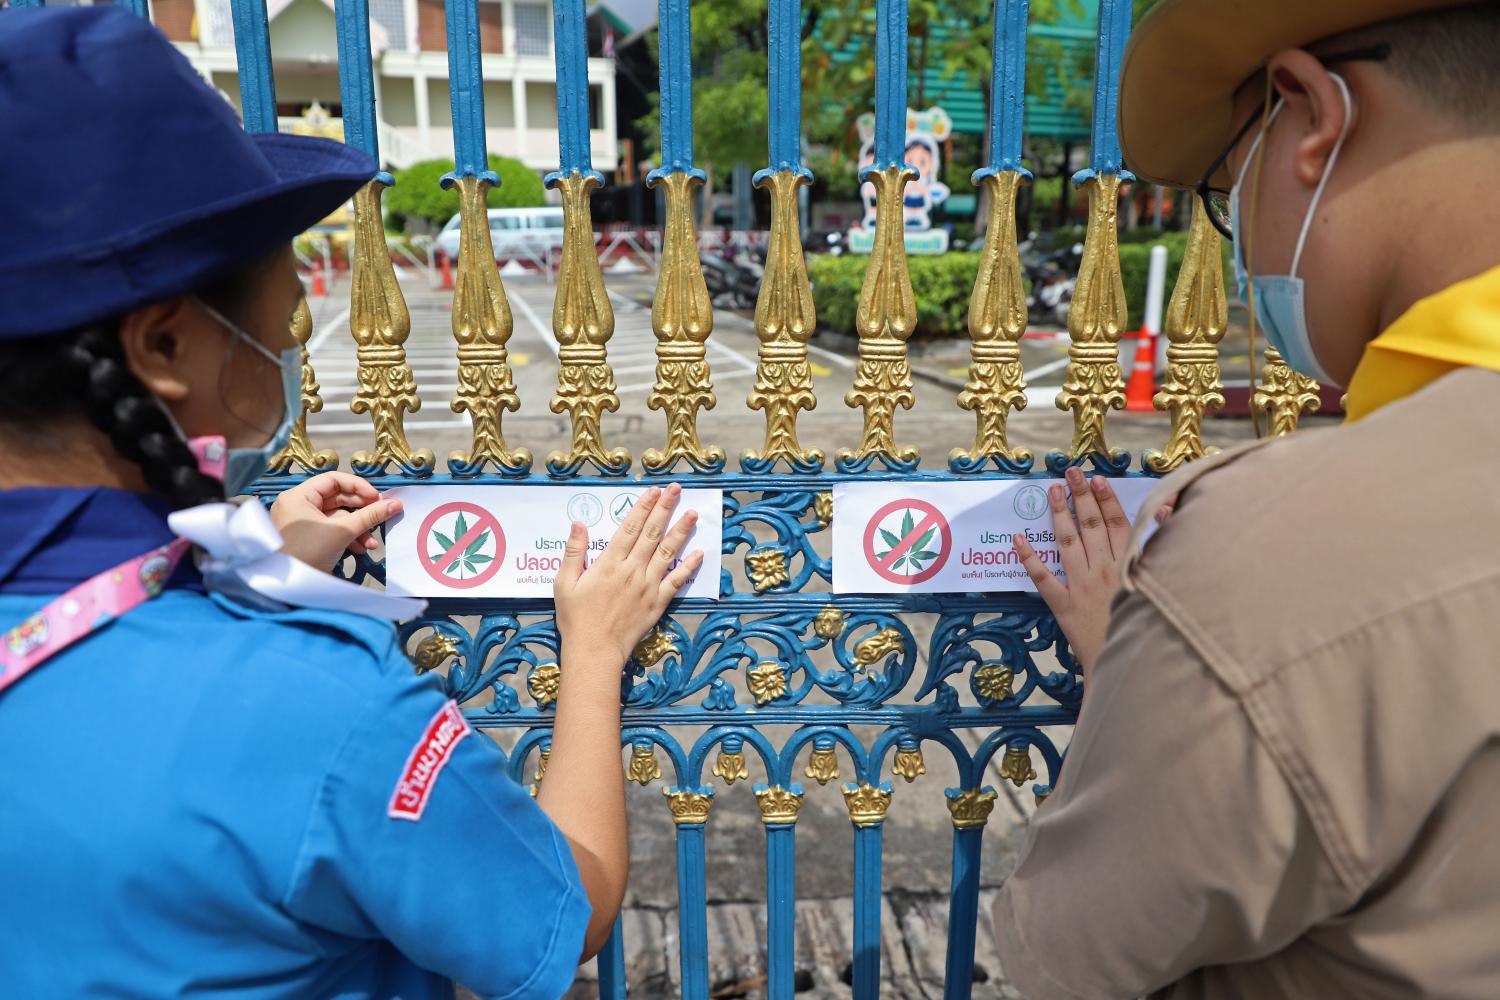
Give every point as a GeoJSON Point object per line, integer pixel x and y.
{"type": "Point", "coordinates": [943, 285]}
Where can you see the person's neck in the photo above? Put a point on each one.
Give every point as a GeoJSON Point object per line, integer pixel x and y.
{"type": "Point", "coordinates": [1439, 237]}
{"type": "Point", "coordinates": [71, 454]}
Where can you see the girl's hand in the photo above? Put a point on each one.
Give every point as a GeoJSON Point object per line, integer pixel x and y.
{"type": "Point", "coordinates": [325, 515]}
{"type": "Point", "coordinates": [603, 611]}
{"type": "Point", "coordinates": [1091, 541]}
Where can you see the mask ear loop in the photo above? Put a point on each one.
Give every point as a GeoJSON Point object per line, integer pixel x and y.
{"type": "Point", "coordinates": [1260, 153]}
{"type": "Point", "coordinates": [1333, 159]}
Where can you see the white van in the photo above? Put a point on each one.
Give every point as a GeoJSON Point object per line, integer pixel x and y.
{"type": "Point", "coordinates": [513, 232]}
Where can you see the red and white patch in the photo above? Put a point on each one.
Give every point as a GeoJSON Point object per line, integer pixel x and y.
{"type": "Point", "coordinates": [428, 758]}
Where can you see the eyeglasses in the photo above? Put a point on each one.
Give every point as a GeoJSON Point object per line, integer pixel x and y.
{"type": "Point", "coordinates": [1216, 200]}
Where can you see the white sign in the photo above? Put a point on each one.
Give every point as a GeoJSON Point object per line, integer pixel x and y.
{"type": "Point", "coordinates": [508, 541]}
{"type": "Point", "coordinates": [947, 538]}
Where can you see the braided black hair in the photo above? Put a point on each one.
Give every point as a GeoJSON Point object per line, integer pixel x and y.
{"type": "Point", "coordinates": [84, 372]}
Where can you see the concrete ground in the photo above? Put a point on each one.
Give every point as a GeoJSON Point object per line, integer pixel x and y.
{"type": "Point", "coordinates": [918, 834]}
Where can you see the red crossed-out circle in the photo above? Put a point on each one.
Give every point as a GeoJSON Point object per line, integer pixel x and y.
{"type": "Point", "coordinates": [436, 563]}
{"type": "Point", "coordinates": [930, 516]}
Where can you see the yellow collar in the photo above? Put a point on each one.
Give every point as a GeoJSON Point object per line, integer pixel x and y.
{"type": "Point", "coordinates": [1458, 327]}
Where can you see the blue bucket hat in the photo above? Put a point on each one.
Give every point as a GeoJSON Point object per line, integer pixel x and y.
{"type": "Point", "coordinates": [127, 179]}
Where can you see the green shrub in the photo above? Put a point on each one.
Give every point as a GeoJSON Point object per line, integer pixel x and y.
{"type": "Point", "coordinates": [418, 193]}
{"type": "Point", "coordinates": [943, 286]}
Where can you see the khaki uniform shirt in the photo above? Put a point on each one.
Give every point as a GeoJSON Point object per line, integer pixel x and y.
{"type": "Point", "coordinates": [1286, 778]}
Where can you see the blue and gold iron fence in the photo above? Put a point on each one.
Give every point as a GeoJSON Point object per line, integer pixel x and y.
{"type": "Point", "coordinates": [712, 686]}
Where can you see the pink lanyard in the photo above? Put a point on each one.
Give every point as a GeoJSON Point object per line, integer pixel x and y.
{"type": "Point", "coordinates": [91, 605]}
{"type": "Point", "coordinates": [101, 599]}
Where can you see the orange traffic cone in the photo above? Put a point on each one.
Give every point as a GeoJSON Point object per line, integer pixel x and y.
{"type": "Point", "coordinates": [1142, 385]}
{"type": "Point", "coordinates": [319, 286]}
{"type": "Point", "coordinates": [447, 269]}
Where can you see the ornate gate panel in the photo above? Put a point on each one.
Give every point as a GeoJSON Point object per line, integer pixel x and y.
{"type": "Point", "coordinates": [776, 651]}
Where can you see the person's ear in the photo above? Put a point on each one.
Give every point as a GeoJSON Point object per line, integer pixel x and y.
{"type": "Point", "coordinates": [1316, 104]}
{"type": "Point", "coordinates": [156, 350]}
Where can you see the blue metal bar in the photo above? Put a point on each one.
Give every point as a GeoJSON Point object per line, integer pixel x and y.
{"type": "Point", "coordinates": [676, 83]}
{"type": "Point", "coordinates": [136, 7]}
{"type": "Point", "coordinates": [356, 80]}
{"type": "Point", "coordinates": [1008, 84]}
{"type": "Point", "coordinates": [963, 914]}
{"type": "Point", "coordinates": [867, 848]}
{"type": "Point", "coordinates": [610, 964]}
{"type": "Point", "coordinates": [785, 29]}
{"type": "Point", "coordinates": [1114, 32]}
{"type": "Point", "coordinates": [569, 33]}
{"type": "Point", "coordinates": [890, 83]}
{"type": "Point", "coordinates": [692, 912]}
{"type": "Point", "coordinates": [27, 3]}
{"type": "Point", "coordinates": [466, 91]}
{"type": "Point", "coordinates": [781, 909]}
{"type": "Point", "coordinates": [252, 50]}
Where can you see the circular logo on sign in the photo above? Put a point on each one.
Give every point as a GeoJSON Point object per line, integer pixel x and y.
{"type": "Point", "coordinates": [908, 541]}
{"type": "Point", "coordinates": [461, 545]}
{"type": "Point", "coordinates": [1031, 502]}
{"type": "Point", "coordinates": [585, 507]}
{"type": "Point", "coordinates": [621, 506]}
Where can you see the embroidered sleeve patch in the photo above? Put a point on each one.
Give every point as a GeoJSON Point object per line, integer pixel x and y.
{"type": "Point", "coordinates": [427, 760]}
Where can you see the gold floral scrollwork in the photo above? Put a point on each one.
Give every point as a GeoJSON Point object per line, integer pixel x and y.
{"type": "Point", "coordinates": [867, 804]}
{"type": "Point", "coordinates": [543, 682]}
{"type": "Point", "coordinates": [887, 640]}
{"type": "Point", "coordinates": [1283, 395]}
{"type": "Point", "coordinates": [657, 644]}
{"type": "Point", "coordinates": [299, 447]}
{"type": "Point", "coordinates": [1194, 324]}
{"type": "Point", "coordinates": [1015, 766]}
{"type": "Point", "coordinates": [582, 323]}
{"type": "Point", "coordinates": [433, 651]}
{"type": "Point", "coordinates": [644, 767]}
{"type": "Point", "coordinates": [823, 508]}
{"type": "Point", "coordinates": [784, 320]}
{"type": "Point", "coordinates": [767, 682]}
{"type": "Point", "coordinates": [380, 323]}
{"type": "Point", "coordinates": [778, 806]}
{"type": "Point", "coordinates": [971, 808]}
{"type": "Point", "coordinates": [909, 764]}
{"type": "Point", "coordinates": [682, 316]}
{"type": "Point", "coordinates": [767, 568]}
{"type": "Point", "coordinates": [994, 680]}
{"type": "Point", "coordinates": [730, 766]}
{"type": "Point", "coordinates": [997, 321]}
{"type": "Point", "coordinates": [688, 808]}
{"type": "Point", "coordinates": [541, 763]}
{"type": "Point", "coordinates": [886, 316]}
{"type": "Point", "coordinates": [482, 325]}
{"type": "Point", "coordinates": [829, 624]}
{"type": "Point", "coordinates": [1094, 383]}
{"type": "Point", "coordinates": [823, 765]}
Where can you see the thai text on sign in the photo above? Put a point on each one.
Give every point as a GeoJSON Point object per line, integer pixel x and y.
{"type": "Point", "coordinates": [948, 538]}
{"type": "Point", "coordinates": [508, 541]}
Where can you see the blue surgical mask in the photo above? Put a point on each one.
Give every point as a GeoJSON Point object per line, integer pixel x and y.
{"type": "Point", "coordinates": [1280, 301]}
{"type": "Point", "coordinates": [242, 466]}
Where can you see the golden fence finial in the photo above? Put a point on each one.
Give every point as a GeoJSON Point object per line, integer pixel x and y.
{"type": "Point", "coordinates": [886, 316]}
{"type": "Point", "coordinates": [971, 807]}
{"type": "Point", "coordinates": [582, 323]}
{"type": "Point", "coordinates": [1194, 324]}
{"type": "Point", "coordinates": [682, 317]}
{"type": "Point", "coordinates": [997, 321]}
{"type": "Point", "coordinates": [1283, 395]}
{"type": "Point", "coordinates": [784, 320]}
{"type": "Point", "coordinates": [380, 324]}
{"type": "Point", "coordinates": [299, 448]}
{"type": "Point", "coordinates": [482, 325]}
{"type": "Point", "coordinates": [1095, 384]}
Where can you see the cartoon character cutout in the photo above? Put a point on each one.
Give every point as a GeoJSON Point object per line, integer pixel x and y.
{"type": "Point", "coordinates": [27, 636]}
{"type": "Point", "coordinates": [926, 132]}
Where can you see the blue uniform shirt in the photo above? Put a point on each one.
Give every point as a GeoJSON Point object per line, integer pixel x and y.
{"type": "Point", "coordinates": [198, 799]}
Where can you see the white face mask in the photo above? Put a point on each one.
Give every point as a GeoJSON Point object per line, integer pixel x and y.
{"type": "Point", "coordinates": [1280, 302]}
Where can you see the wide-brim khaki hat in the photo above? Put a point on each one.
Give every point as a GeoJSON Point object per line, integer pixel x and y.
{"type": "Point", "coordinates": [1187, 58]}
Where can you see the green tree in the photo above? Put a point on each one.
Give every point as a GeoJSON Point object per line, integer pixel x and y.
{"type": "Point", "coordinates": [418, 193]}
